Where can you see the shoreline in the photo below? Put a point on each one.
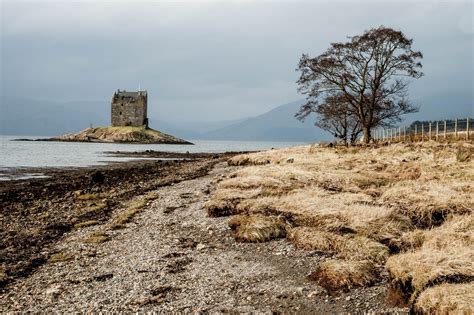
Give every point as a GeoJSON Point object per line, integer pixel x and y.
{"type": "Point", "coordinates": [142, 236]}
{"type": "Point", "coordinates": [137, 157]}
{"type": "Point", "coordinates": [36, 212]}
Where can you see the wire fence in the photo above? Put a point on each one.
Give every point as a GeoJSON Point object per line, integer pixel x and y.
{"type": "Point", "coordinates": [454, 129]}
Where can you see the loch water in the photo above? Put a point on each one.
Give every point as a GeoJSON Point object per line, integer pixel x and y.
{"type": "Point", "coordinates": [46, 154]}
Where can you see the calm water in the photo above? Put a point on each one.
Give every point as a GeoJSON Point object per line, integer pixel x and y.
{"type": "Point", "coordinates": [26, 154]}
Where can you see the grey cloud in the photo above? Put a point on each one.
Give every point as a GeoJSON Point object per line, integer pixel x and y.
{"type": "Point", "coordinates": [212, 60]}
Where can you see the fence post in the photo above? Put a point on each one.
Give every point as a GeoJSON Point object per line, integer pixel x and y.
{"type": "Point", "coordinates": [456, 128]}
{"type": "Point", "coordinates": [437, 130]}
{"type": "Point", "coordinates": [422, 132]}
{"type": "Point", "coordinates": [445, 129]}
{"type": "Point", "coordinates": [467, 128]}
{"type": "Point", "coordinates": [429, 129]}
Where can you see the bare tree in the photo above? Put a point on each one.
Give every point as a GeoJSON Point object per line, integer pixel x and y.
{"type": "Point", "coordinates": [370, 71]}
{"type": "Point", "coordinates": [334, 116]}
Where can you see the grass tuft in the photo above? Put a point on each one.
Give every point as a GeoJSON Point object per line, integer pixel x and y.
{"type": "Point", "coordinates": [446, 299]}
{"type": "Point", "coordinates": [257, 228]}
{"type": "Point", "coordinates": [335, 275]}
{"type": "Point", "coordinates": [463, 155]}
{"type": "Point", "coordinates": [97, 238]}
{"type": "Point", "coordinates": [60, 257]}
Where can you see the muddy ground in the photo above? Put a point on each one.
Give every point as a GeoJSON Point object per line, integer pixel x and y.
{"type": "Point", "coordinates": [169, 257]}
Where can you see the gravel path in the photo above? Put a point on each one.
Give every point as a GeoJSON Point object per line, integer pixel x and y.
{"type": "Point", "coordinates": [172, 257]}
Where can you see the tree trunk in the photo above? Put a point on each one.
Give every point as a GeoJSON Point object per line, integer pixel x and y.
{"type": "Point", "coordinates": [367, 135]}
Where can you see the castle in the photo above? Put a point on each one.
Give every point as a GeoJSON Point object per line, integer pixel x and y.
{"type": "Point", "coordinates": [129, 109]}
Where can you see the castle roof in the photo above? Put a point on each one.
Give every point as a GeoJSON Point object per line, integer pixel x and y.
{"type": "Point", "coordinates": [134, 95]}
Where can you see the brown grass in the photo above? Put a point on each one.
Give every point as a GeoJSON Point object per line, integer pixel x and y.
{"type": "Point", "coordinates": [91, 209]}
{"type": "Point", "coordinates": [127, 215]}
{"type": "Point", "coordinates": [133, 208]}
{"type": "Point", "coordinates": [464, 154]}
{"type": "Point", "coordinates": [446, 299]}
{"type": "Point", "coordinates": [313, 239]}
{"type": "Point", "coordinates": [60, 257]}
{"type": "Point", "coordinates": [441, 254]}
{"type": "Point", "coordinates": [366, 204]}
{"type": "Point", "coordinates": [97, 238]}
{"type": "Point", "coordinates": [257, 228]}
{"type": "Point", "coordinates": [388, 230]}
{"type": "Point", "coordinates": [85, 224]}
{"type": "Point", "coordinates": [335, 275]}
{"type": "Point", "coordinates": [411, 241]}
{"type": "Point", "coordinates": [349, 246]}
{"type": "Point", "coordinates": [413, 272]}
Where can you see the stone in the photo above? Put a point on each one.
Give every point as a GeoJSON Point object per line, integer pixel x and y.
{"type": "Point", "coordinates": [200, 246]}
{"type": "Point", "coordinates": [97, 177]}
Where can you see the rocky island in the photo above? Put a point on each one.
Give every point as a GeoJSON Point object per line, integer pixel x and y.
{"type": "Point", "coordinates": [121, 134]}
{"type": "Point", "coordinates": [129, 124]}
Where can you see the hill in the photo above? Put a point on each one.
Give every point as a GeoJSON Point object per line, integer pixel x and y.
{"type": "Point", "coordinates": [278, 124]}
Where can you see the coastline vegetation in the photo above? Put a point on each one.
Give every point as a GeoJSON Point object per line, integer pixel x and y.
{"type": "Point", "coordinates": [402, 209]}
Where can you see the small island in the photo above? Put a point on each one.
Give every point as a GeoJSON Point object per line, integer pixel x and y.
{"type": "Point", "coordinates": [129, 124]}
{"type": "Point", "coordinates": [121, 134]}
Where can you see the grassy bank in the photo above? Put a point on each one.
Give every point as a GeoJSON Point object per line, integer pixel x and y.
{"type": "Point", "coordinates": [405, 209]}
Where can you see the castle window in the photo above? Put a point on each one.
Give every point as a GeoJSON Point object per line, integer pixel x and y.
{"type": "Point", "coordinates": [120, 113]}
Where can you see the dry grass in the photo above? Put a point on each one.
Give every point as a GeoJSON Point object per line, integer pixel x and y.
{"type": "Point", "coordinates": [83, 197]}
{"type": "Point", "coordinates": [429, 203]}
{"type": "Point", "coordinates": [314, 239]}
{"type": "Point", "coordinates": [132, 209]}
{"type": "Point", "coordinates": [335, 275]}
{"type": "Point", "coordinates": [413, 272]}
{"type": "Point", "coordinates": [366, 204]}
{"type": "Point", "coordinates": [348, 246]}
{"type": "Point", "coordinates": [441, 254]}
{"type": "Point", "coordinates": [127, 215]}
{"type": "Point", "coordinates": [60, 257]}
{"type": "Point", "coordinates": [97, 238]}
{"type": "Point", "coordinates": [85, 224]}
{"type": "Point", "coordinates": [464, 154]}
{"type": "Point", "coordinates": [446, 299]}
{"type": "Point", "coordinates": [411, 241]}
{"type": "Point", "coordinates": [388, 230]}
{"type": "Point", "coordinates": [257, 228]}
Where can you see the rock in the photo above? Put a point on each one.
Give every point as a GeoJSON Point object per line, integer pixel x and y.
{"type": "Point", "coordinates": [97, 177]}
{"type": "Point", "coordinates": [53, 292]}
{"type": "Point", "coordinates": [290, 160]}
{"type": "Point", "coordinates": [348, 298]}
{"type": "Point", "coordinates": [103, 277]}
{"type": "Point", "coordinates": [300, 290]}
{"type": "Point", "coordinates": [200, 246]}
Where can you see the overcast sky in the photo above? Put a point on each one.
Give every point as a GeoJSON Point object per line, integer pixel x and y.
{"type": "Point", "coordinates": [213, 60]}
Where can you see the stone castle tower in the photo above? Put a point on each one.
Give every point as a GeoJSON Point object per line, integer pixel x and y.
{"type": "Point", "coordinates": [130, 109]}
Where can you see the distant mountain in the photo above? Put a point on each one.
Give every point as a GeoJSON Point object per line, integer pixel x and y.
{"type": "Point", "coordinates": [48, 118]}
{"type": "Point", "coordinates": [279, 124]}
{"type": "Point", "coordinates": [190, 129]}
